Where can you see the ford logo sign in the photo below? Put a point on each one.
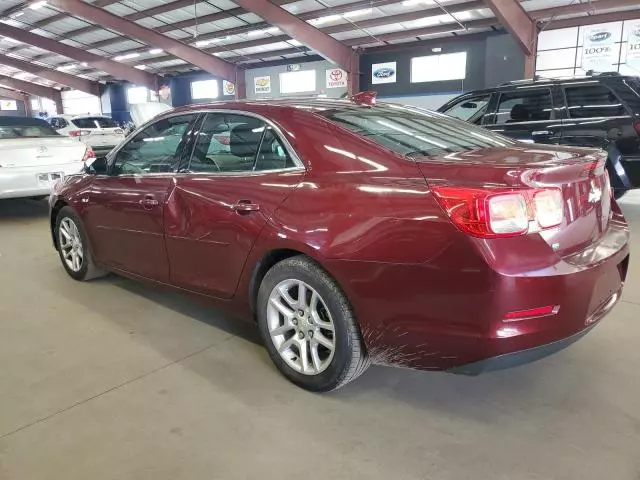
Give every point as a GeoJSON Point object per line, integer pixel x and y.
{"type": "Point", "coordinates": [600, 36]}
{"type": "Point", "coordinates": [384, 72]}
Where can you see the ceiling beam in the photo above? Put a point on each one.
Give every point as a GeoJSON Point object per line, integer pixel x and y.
{"type": "Point", "coordinates": [591, 19]}
{"type": "Point", "coordinates": [12, 94]}
{"type": "Point", "coordinates": [346, 27]}
{"type": "Point", "coordinates": [118, 70]}
{"type": "Point", "coordinates": [195, 56]}
{"type": "Point", "coordinates": [33, 89]}
{"type": "Point", "coordinates": [325, 45]}
{"type": "Point", "coordinates": [575, 8]}
{"type": "Point", "coordinates": [62, 78]}
{"type": "Point", "coordinates": [517, 22]}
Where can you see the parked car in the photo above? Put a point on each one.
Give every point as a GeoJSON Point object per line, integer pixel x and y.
{"type": "Point", "coordinates": [357, 233]}
{"type": "Point", "coordinates": [33, 157]}
{"type": "Point", "coordinates": [600, 111]}
{"type": "Point", "coordinates": [99, 132]}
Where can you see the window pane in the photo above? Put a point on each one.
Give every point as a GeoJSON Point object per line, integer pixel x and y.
{"type": "Point", "coordinates": [94, 122]}
{"type": "Point", "coordinates": [561, 38]}
{"type": "Point", "coordinates": [204, 89]}
{"type": "Point", "coordinates": [226, 143]}
{"type": "Point", "coordinates": [592, 101]}
{"type": "Point", "coordinates": [137, 95]}
{"type": "Point", "coordinates": [11, 127]}
{"type": "Point", "coordinates": [298, 82]}
{"type": "Point", "coordinates": [555, 59]}
{"type": "Point", "coordinates": [437, 68]}
{"type": "Point", "coordinates": [524, 106]}
{"type": "Point", "coordinates": [409, 131]}
{"type": "Point", "coordinates": [155, 149]}
{"type": "Point", "coordinates": [272, 155]}
{"type": "Point", "coordinates": [470, 109]}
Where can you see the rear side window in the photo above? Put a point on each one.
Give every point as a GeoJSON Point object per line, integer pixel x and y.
{"type": "Point", "coordinates": [593, 101]}
{"type": "Point", "coordinates": [94, 122]}
{"type": "Point", "coordinates": [410, 131]}
{"type": "Point", "coordinates": [524, 106]}
{"type": "Point", "coordinates": [471, 109]}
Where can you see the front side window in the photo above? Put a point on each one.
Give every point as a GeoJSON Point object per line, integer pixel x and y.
{"type": "Point", "coordinates": [237, 143]}
{"type": "Point", "coordinates": [470, 109]}
{"type": "Point", "coordinates": [156, 149]}
{"type": "Point", "coordinates": [592, 101]}
{"type": "Point", "coordinates": [410, 131]}
{"type": "Point", "coordinates": [524, 106]}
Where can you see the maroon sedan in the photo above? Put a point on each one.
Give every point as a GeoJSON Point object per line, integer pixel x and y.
{"type": "Point", "coordinates": [356, 233]}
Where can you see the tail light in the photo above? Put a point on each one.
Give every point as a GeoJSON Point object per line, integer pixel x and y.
{"type": "Point", "coordinates": [636, 126]}
{"type": "Point", "coordinates": [89, 154]}
{"type": "Point", "coordinates": [503, 213]}
{"type": "Point", "coordinates": [78, 133]}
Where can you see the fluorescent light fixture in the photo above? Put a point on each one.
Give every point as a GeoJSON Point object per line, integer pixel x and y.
{"type": "Point", "coordinates": [436, 49]}
{"type": "Point", "coordinates": [140, 67]}
{"type": "Point", "coordinates": [254, 33]}
{"type": "Point", "coordinates": [413, 3]}
{"type": "Point", "coordinates": [126, 57]}
{"type": "Point", "coordinates": [17, 14]}
{"type": "Point", "coordinates": [12, 40]}
{"type": "Point", "coordinates": [358, 13]}
{"type": "Point", "coordinates": [84, 64]}
{"type": "Point", "coordinates": [155, 51]}
{"type": "Point", "coordinates": [203, 43]}
{"type": "Point", "coordinates": [69, 66]}
{"type": "Point", "coordinates": [272, 30]}
{"type": "Point", "coordinates": [37, 5]}
{"type": "Point", "coordinates": [326, 19]}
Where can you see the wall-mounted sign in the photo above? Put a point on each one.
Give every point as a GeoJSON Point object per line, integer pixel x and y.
{"type": "Point", "coordinates": [633, 45]}
{"type": "Point", "coordinates": [228, 88]}
{"type": "Point", "coordinates": [599, 52]}
{"type": "Point", "coordinates": [383, 72]}
{"type": "Point", "coordinates": [336, 78]}
{"type": "Point", "coordinates": [8, 105]}
{"type": "Point", "coordinates": [262, 84]}
{"type": "Point", "coordinates": [294, 67]}
{"type": "Point", "coordinates": [164, 95]}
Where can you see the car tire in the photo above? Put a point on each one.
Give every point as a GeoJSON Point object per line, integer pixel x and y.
{"type": "Point", "coordinates": [328, 317]}
{"type": "Point", "coordinates": [75, 256]}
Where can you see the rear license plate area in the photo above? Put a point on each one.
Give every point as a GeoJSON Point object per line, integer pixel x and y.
{"type": "Point", "coordinates": [48, 179]}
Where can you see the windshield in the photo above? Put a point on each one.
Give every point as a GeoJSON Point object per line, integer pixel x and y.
{"type": "Point", "coordinates": [412, 131]}
{"type": "Point", "coordinates": [27, 131]}
{"type": "Point", "coordinates": [94, 122]}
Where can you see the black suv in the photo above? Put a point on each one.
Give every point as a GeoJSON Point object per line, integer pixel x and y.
{"type": "Point", "coordinates": [600, 110]}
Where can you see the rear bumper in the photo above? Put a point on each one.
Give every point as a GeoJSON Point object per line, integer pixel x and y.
{"type": "Point", "coordinates": [532, 354]}
{"type": "Point", "coordinates": [24, 182]}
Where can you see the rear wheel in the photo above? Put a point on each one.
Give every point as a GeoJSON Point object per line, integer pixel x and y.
{"type": "Point", "coordinates": [73, 247]}
{"type": "Point", "coordinates": [308, 327]}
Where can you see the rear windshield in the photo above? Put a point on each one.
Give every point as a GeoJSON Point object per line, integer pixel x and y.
{"type": "Point", "coordinates": [411, 131]}
{"type": "Point", "coordinates": [94, 122]}
{"type": "Point", "coordinates": [27, 131]}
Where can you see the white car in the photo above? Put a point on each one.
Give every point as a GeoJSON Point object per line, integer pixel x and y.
{"type": "Point", "coordinates": [99, 132]}
{"type": "Point", "coordinates": [33, 157]}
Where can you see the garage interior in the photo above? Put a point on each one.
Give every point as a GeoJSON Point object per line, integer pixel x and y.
{"type": "Point", "coordinates": [115, 379]}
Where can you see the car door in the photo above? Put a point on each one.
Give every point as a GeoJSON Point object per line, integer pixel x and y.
{"type": "Point", "coordinates": [526, 114]}
{"type": "Point", "coordinates": [223, 198]}
{"type": "Point", "coordinates": [470, 108]}
{"type": "Point", "coordinates": [124, 213]}
{"type": "Point", "coordinates": [596, 117]}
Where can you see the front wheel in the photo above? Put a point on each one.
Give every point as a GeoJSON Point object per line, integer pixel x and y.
{"type": "Point", "coordinates": [73, 247]}
{"type": "Point", "coordinates": [308, 326]}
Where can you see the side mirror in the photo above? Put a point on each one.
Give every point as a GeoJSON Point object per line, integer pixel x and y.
{"type": "Point", "coordinates": [99, 166]}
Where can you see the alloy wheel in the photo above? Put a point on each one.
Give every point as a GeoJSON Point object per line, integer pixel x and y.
{"type": "Point", "coordinates": [70, 243]}
{"type": "Point", "coordinates": [301, 327]}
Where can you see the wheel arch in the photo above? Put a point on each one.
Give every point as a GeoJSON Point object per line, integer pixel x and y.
{"type": "Point", "coordinates": [53, 217]}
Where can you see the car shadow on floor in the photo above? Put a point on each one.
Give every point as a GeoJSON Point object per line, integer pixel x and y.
{"type": "Point", "coordinates": [21, 208]}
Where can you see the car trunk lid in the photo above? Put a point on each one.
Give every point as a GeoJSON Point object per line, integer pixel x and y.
{"type": "Point", "coordinates": [579, 175]}
{"type": "Point", "coordinates": [44, 151]}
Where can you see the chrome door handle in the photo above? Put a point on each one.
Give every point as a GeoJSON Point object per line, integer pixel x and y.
{"type": "Point", "coordinates": [541, 132]}
{"type": "Point", "coordinates": [149, 202]}
{"type": "Point", "coordinates": [245, 206]}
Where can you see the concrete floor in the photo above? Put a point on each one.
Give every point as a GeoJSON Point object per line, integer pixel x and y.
{"type": "Point", "coordinates": [116, 380]}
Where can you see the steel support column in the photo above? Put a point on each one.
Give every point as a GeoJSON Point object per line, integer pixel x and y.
{"type": "Point", "coordinates": [521, 26]}
{"type": "Point", "coordinates": [192, 55]}
{"type": "Point", "coordinates": [118, 70]}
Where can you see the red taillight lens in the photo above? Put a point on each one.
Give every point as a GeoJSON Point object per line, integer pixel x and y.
{"type": "Point", "coordinates": [88, 155]}
{"type": "Point", "coordinates": [78, 133]}
{"type": "Point", "coordinates": [531, 313]}
{"type": "Point", "coordinates": [507, 213]}
{"type": "Point", "coordinates": [636, 126]}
